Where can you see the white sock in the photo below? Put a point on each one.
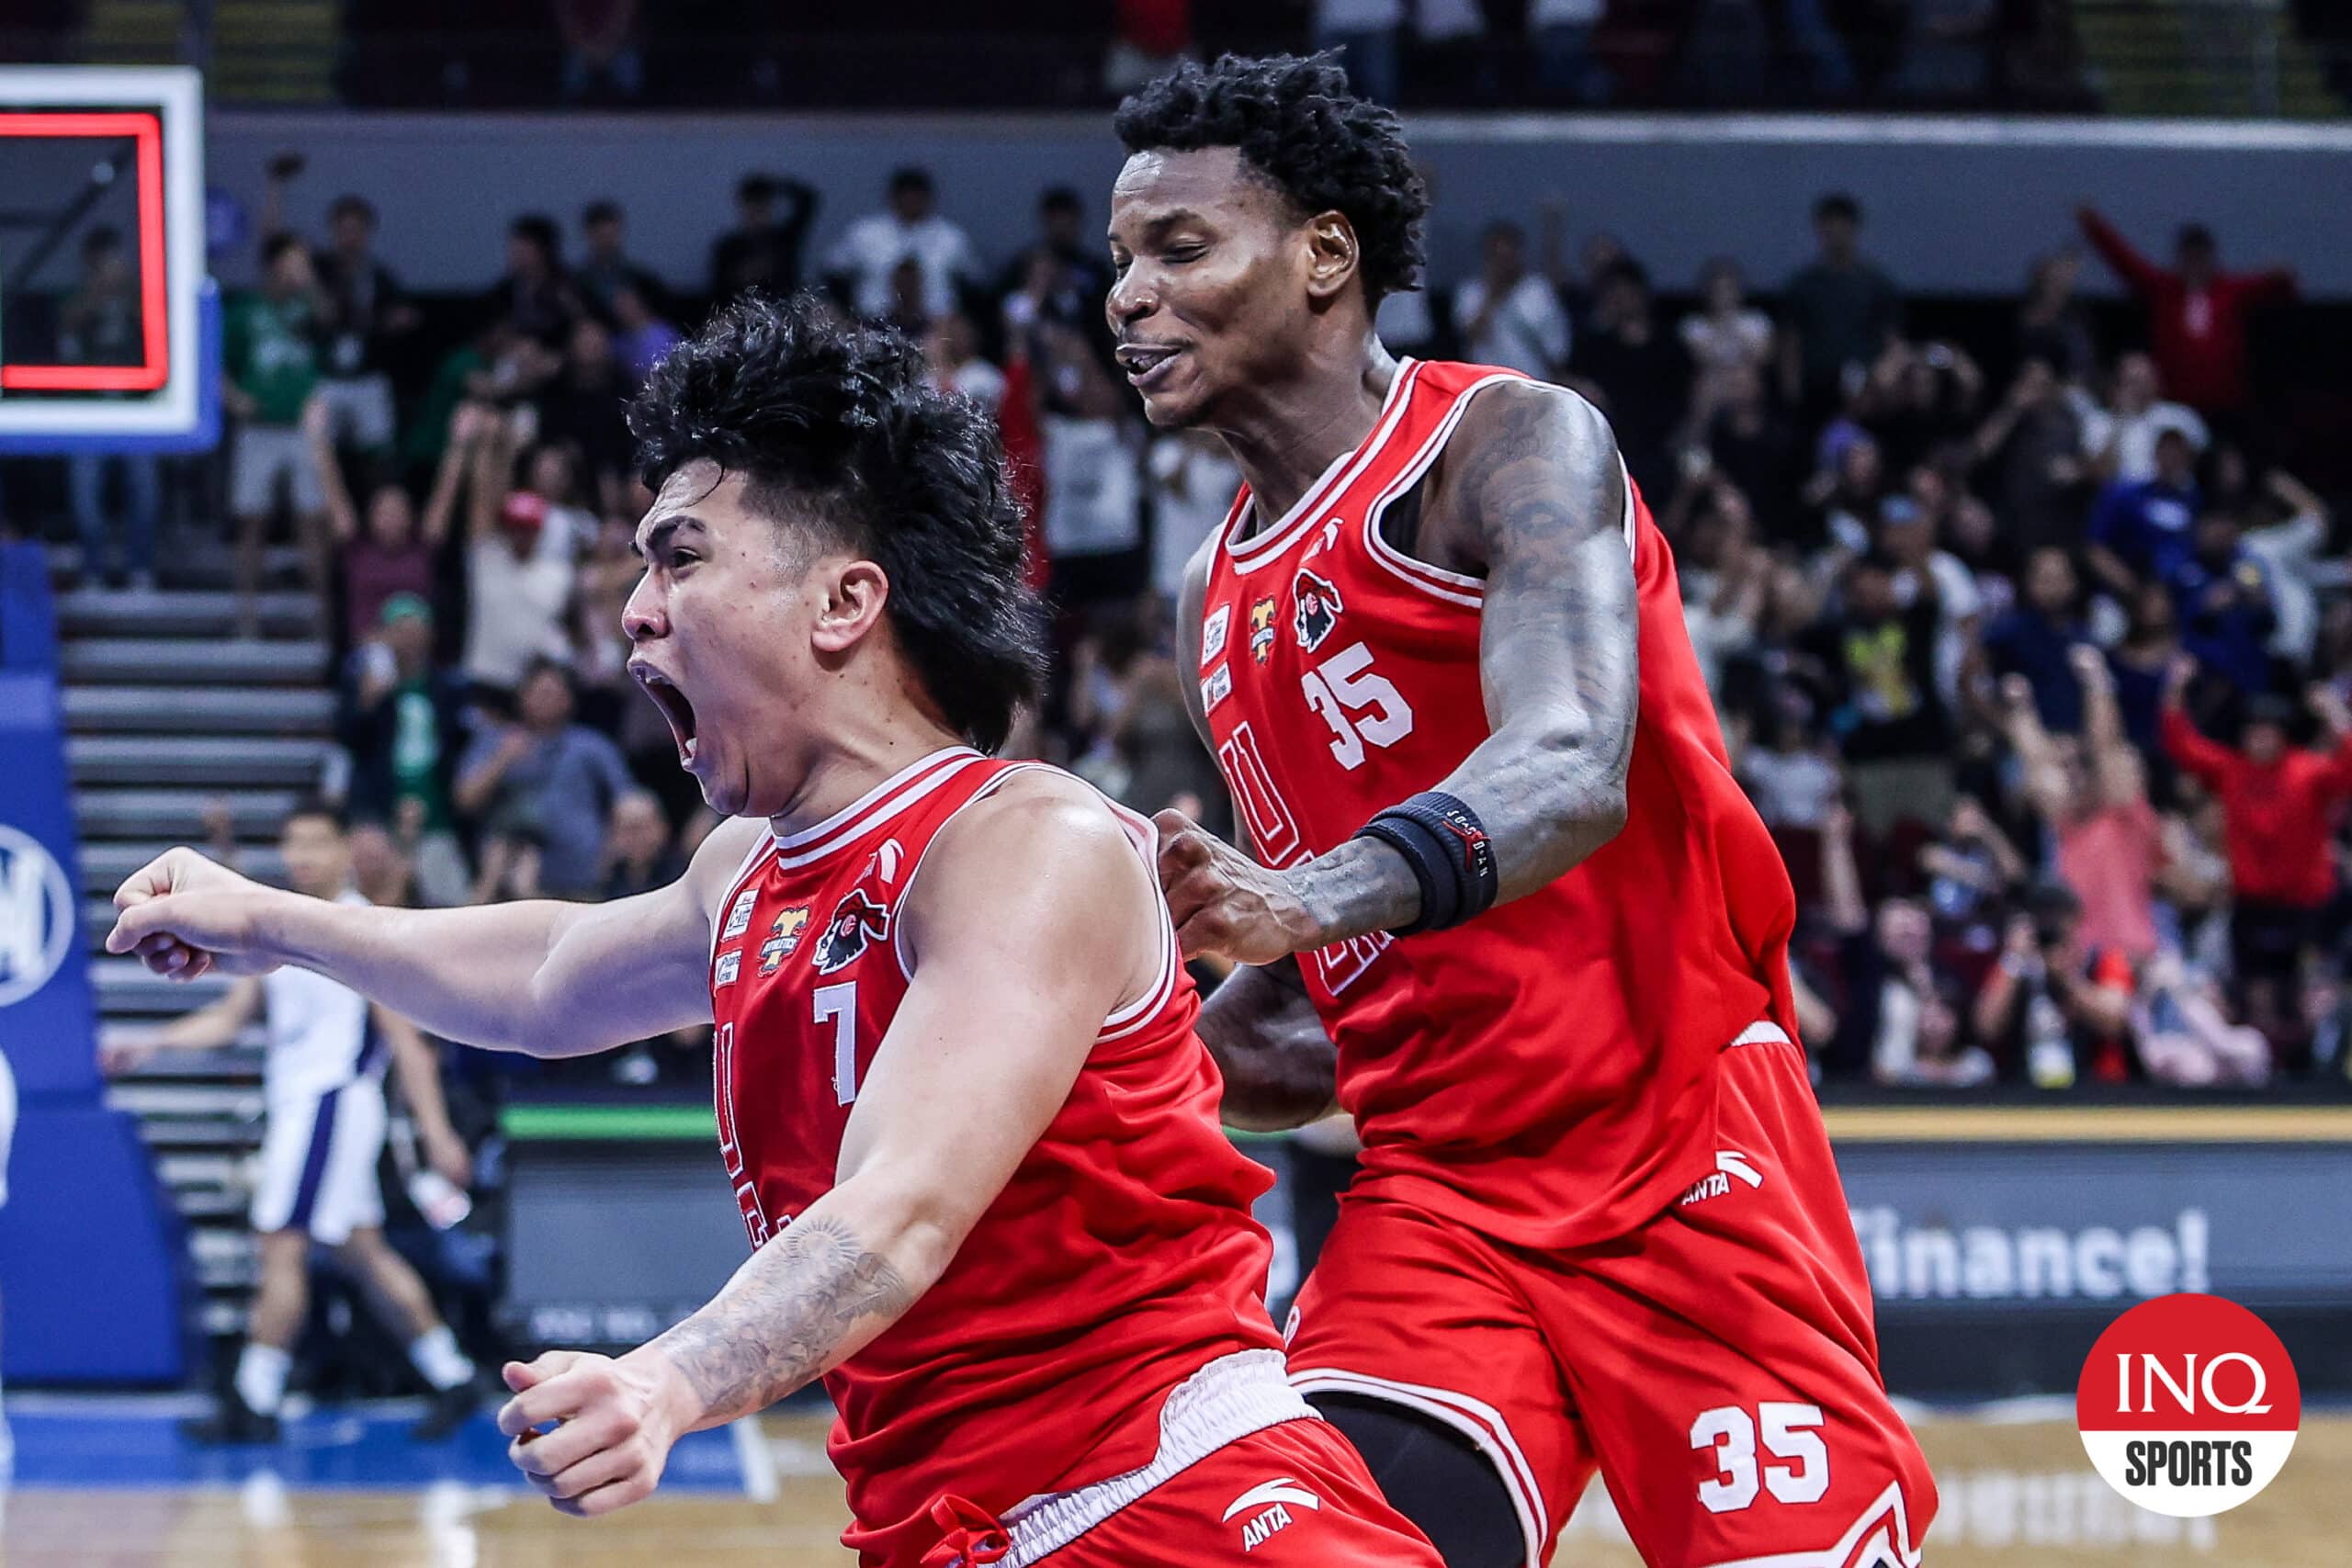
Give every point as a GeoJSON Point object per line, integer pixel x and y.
{"type": "Point", "coordinates": [261, 1377]}
{"type": "Point", "coordinates": [434, 1354]}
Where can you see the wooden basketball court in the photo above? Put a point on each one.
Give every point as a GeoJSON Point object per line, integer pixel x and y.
{"type": "Point", "coordinates": [2014, 1494]}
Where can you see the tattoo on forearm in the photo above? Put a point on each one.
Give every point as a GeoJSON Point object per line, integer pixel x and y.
{"type": "Point", "coordinates": [1540, 486]}
{"type": "Point", "coordinates": [780, 1323]}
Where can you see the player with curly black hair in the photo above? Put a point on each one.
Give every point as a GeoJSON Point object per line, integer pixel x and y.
{"type": "Point", "coordinates": [1509, 908]}
{"type": "Point", "coordinates": [831, 435]}
{"type": "Point", "coordinates": [970, 1132]}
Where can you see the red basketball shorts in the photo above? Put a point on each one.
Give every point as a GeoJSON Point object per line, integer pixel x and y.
{"type": "Point", "coordinates": [1718, 1367]}
{"type": "Point", "coordinates": [1292, 1495]}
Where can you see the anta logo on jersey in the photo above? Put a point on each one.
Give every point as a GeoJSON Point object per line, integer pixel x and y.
{"type": "Point", "coordinates": [1269, 1505]}
{"type": "Point", "coordinates": [1315, 609]}
{"type": "Point", "coordinates": [784, 936]}
{"type": "Point", "coordinates": [858, 922]}
{"type": "Point", "coordinates": [1261, 629]}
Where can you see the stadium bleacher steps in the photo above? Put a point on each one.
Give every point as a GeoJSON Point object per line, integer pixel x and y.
{"type": "Point", "coordinates": [134, 32]}
{"type": "Point", "coordinates": [2221, 57]}
{"type": "Point", "coordinates": [273, 52]}
{"type": "Point", "coordinates": [168, 713]}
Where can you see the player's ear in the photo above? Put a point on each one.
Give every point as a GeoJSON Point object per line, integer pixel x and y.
{"type": "Point", "coordinates": [854, 592]}
{"type": "Point", "coordinates": [1331, 253]}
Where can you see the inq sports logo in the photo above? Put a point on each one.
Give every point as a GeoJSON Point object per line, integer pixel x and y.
{"type": "Point", "coordinates": [36, 916]}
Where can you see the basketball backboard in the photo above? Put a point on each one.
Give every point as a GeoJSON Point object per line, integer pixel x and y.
{"type": "Point", "coordinates": [102, 178]}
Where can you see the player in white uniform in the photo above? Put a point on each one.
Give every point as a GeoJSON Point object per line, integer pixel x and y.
{"type": "Point", "coordinates": [324, 1082]}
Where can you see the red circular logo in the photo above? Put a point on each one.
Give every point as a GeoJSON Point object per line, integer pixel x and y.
{"type": "Point", "coordinates": [2187, 1405]}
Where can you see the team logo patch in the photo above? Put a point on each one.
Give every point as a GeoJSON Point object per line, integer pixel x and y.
{"type": "Point", "coordinates": [1315, 609]}
{"type": "Point", "coordinates": [1213, 633]}
{"type": "Point", "coordinates": [730, 963]}
{"type": "Point", "coordinates": [739, 919]}
{"type": "Point", "coordinates": [1216, 687]}
{"type": "Point", "coordinates": [784, 936]}
{"type": "Point", "coordinates": [1261, 629]}
{"type": "Point", "coordinates": [2188, 1405]}
{"type": "Point", "coordinates": [858, 922]}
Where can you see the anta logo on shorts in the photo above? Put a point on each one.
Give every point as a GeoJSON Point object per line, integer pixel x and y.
{"type": "Point", "coordinates": [1315, 609]}
{"type": "Point", "coordinates": [858, 921]}
{"type": "Point", "coordinates": [1269, 1504]}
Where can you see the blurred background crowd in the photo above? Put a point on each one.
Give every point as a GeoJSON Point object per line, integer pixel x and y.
{"type": "Point", "coordinates": [2030, 625]}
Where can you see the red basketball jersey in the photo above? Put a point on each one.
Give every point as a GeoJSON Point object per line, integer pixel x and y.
{"type": "Point", "coordinates": [1545, 1073]}
{"type": "Point", "coordinates": [1121, 1257]}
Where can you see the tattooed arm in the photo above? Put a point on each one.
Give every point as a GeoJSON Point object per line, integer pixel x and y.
{"type": "Point", "coordinates": [1031, 922]}
{"type": "Point", "coordinates": [1531, 497]}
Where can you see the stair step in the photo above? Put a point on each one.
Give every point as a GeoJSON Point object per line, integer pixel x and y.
{"type": "Point", "coordinates": [106, 866]}
{"type": "Point", "coordinates": [163, 660]}
{"type": "Point", "coordinates": [178, 814]}
{"type": "Point", "coordinates": [209, 710]}
{"type": "Point", "coordinates": [256, 761]}
{"type": "Point", "coordinates": [123, 612]}
{"type": "Point", "coordinates": [243, 1053]}
{"type": "Point", "coordinates": [193, 1172]}
{"type": "Point", "coordinates": [159, 1101]}
{"type": "Point", "coordinates": [126, 988]}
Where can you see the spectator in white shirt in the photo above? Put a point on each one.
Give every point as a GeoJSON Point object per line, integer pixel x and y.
{"type": "Point", "coordinates": [522, 552]}
{"type": "Point", "coordinates": [1509, 316]}
{"type": "Point", "coordinates": [2120, 439]}
{"type": "Point", "coordinates": [909, 229]}
{"type": "Point", "coordinates": [1725, 336]}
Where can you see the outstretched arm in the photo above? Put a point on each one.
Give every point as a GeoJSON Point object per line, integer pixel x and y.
{"type": "Point", "coordinates": [547, 979]}
{"type": "Point", "coordinates": [1032, 920]}
{"type": "Point", "coordinates": [1535, 481]}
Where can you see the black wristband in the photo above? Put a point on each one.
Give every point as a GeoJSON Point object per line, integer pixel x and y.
{"type": "Point", "coordinates": [1447, 847]}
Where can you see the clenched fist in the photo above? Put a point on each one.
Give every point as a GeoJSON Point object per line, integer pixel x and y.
{"type": "Point", "coordinates": [616, 1422]}
{"type": "Point", "coordinates": [187, 916]}
{"type": "Point", "coordinates": [1224, 902]}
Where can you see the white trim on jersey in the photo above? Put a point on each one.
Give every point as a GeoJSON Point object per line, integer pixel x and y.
{"type": "Point", "coordinates": [1887, 1545]}
{"type": "Point", "coordinates": [1454, 587]}
{"type": "Point", "coordinates": [1473, 1418]}
{"type": "Point", "coordinates": [1248, 554]}
{"type": "Point", "coordinates": [898, 926]}
{"type": "Point", "coordinates": [877, 805]}
{"type": "Point", "coordinates": [1125, 1021]}
{"type": "Point", "coordinates": [1128, 1018]}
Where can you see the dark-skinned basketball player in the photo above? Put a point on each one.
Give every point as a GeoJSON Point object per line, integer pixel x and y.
{"type": "Point", "coordinates": [1508, 906]}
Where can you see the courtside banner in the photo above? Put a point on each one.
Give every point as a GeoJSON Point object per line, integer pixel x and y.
{"type": "Point", "coordinates": [2007, 1231]}
{"type": "Point", "coordinates": [2188, 1405]}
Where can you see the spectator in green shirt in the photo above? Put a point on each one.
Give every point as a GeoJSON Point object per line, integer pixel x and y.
{"type": "Point", "coordinates": [271, 361]}
{"type": "Point", "coordinates": [1836, 315]}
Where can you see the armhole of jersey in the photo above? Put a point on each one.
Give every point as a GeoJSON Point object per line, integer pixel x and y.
{"type": "Point", "coordinates": [1130, 1016]}
{"type": "Point", "coordinates": [1455, 587]}
{"type": "Point", "coordinates": [753, 860]}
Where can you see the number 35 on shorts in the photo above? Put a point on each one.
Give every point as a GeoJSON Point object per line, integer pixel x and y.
{"type": "Point", "coordinates": [1796, 1464]}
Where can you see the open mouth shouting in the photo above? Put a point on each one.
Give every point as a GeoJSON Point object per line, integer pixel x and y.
{"type": "Point", "coordinates": [1146, 363]}
{"type": "Point", "coordinates": [672, 700]}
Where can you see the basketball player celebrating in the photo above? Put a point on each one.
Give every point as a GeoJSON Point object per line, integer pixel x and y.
{"type": "Point", "coordinates": [1442, 661]}
{"type": "Point", "coordinates": [324, 1085]}
{"type": "Point", "coordinates": [971, 1132]}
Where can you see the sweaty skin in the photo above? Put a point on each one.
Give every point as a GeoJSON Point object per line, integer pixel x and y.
{"type": "Point", "coordinates": [1239, 313]}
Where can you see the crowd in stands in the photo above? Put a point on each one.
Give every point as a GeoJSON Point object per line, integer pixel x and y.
{"type": "Point", "coordinates": [1550, 53]}
{"type": "Point", "coordinates": [2032, 656]}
